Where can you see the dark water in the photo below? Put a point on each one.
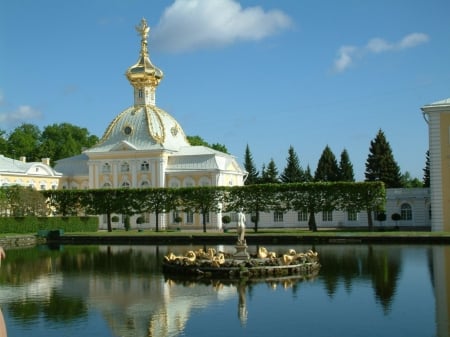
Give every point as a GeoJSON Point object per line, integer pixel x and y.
{"type": "Point", "coordinates": [375, 290]}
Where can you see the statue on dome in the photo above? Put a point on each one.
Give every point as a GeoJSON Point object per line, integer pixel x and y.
{"type": "Point", "coordinates": [143, 29]}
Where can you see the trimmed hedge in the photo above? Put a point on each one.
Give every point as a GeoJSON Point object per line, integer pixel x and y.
{"type": "Point", "coordinates": [32, 224]}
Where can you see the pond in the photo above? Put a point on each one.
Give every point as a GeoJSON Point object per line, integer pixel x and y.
{"type": "Point", "coordinates": [360, 290]}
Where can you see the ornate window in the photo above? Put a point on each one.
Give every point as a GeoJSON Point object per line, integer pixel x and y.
{"type": "Point", "coordinates": [406, 211]}
{"type": "Point", "coordinates": [125, 167]}
{"type": "Point", "coordinates": [106, 168]}
{"type": "Point", "coordinates": [145, 166]}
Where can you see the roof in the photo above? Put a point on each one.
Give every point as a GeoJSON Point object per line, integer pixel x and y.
{"type": "Point", "coordinates": [73, 166]}
{"type": "Point", "coordinates": [14, 166]}
{"type": "Point", "coordinates": [142, 128]}
{"type": "Point", "coordinates": [199, 158]}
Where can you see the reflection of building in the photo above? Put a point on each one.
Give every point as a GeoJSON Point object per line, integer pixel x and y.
{"type": "Point", "coordinates": [437, 116]}
{"type": "Point", "coordinates": [144, 146]}
{"type": "Point", "coordinates": [441, 282]}
{"type": "Point", "coordinates": [38, 175]}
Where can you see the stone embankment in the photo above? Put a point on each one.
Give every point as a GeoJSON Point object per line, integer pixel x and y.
{"type": "Point", "coordinates": [20, 241]}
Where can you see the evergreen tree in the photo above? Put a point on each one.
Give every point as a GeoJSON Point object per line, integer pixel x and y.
{"type": "Point", "coordinates": [253, 174]}
{"type": "Point", "coordinates": [293, 172]}
{"type": "Point", "coordinates": [307, 175]}
{"type": "Point", "coordinates": [269, 175]}
{"type": "Point", "coordinates": [345, 167]}
{"type": "Point", "coordinates": [327, 167]}
{"type": "Point", "coordinates": [380, 164]}
{"type": "Point", "coordinates": [426, 171]}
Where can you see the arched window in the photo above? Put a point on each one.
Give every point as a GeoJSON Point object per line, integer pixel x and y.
{"type": "Point", "coordinates": [145, 183]}
{"type": "Point", "coordinates": [406, 211]}
{"type": "Point", "coordinates": [145, 166]}
{"type": "Point", "coordinates": [106, 168]}
{"type": "Point", "coordinates": [126, 184]}
{"type": "Point", "coordinates": [107, 185]}
{"type": "Point", "coordinates": [125, 167]}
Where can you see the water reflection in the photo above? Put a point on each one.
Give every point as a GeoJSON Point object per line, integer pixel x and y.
{"type": "Point", "coordinates": [67, 288]}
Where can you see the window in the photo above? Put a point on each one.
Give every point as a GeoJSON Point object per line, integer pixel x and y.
{"type": "Point", "coordinates": [327, 215]}
{"type": "Point", "coordinates": [125, 167]}
{"type": "Point", "coordinates": [406, 212]}
{"type": "Point", "coordinates": [145, 183]}
{"type": "Point", "coordinates": [107, 185]}
{"type": "Point", "coordinates": [352, 216]}
{"type": "Point", "coordinates": [126, 184]}
{"type": "Point", "coordinates": [302, 216]}
{"type": "Point", "coordinates": [145, 166]}
{"type": "Point", "coordinates": [189, 217]}
{"type": "Point", "coordinates": [207, 218]}
{"type": "Point", "coordinates": [106, 168]}
{"type": "Point", "coordinates": [175, 215]}
{"type": "Point", "coordinates": [278, 216]}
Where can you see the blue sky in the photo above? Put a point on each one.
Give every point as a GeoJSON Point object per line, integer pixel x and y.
{"type": "Point", "coordinates": [269, 74]}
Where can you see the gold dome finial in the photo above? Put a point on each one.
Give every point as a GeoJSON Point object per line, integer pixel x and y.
{"type": "Point", "coordinates": [143, 29]}
{"type": "Point", "coordinates": [143, 75]}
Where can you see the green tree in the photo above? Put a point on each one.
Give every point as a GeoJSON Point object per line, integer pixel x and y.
{"type": "Point", "coordinates": [269, 174]}
{"type": "Point", "coordinates": [380, 164]}
{"type": "Point", "coordinates": [327, 167]}
{"type": "Point", "coordinates": [293, 172]}
{"type": "Point", "coordinates": [410, 182]}
{"type": "Point", "coordinates": [345, 167]}
{"type": "Point", "coordinates": [65, 140]}
{"type": "Point", "coordinates": [154, 200]}
{"type": "Point", "coordinates": [3, 142]}
{"type": "Point", "coordinates": [307, 175]}
{"type": "Point", "coordinates": [249, 165]}
{"type": "Point", "coordinates": [426, 171]}
{"type": "Point", "coordinates": [202, 200]}
{"type": "Point", "coordinates": [24, 141]}
{"type": "Point", "coordinates": [199, 141]}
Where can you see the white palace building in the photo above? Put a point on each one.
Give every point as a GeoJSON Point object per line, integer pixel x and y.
{"type": "Point", "coordinates": [144, 146]}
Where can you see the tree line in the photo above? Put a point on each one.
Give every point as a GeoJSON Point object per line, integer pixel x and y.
{"type": "Point", "coordinates": [310, 198]}
{"type": "Point", "coordinates": [380, 166]}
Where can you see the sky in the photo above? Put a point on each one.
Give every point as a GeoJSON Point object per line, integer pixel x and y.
{"type": "Point", "coordinates": [267, 74]}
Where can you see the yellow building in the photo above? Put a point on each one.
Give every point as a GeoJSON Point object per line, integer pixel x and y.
{"type": "Point", "coordinates": [437, 116]}
{"type": "Point", "coordinates": [38, 175]}
{"type": "Point", "coordinates": [144, 146]}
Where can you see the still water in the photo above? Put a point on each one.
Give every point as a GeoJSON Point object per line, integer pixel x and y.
{"type": "Point", "coordinates": [361, 290]}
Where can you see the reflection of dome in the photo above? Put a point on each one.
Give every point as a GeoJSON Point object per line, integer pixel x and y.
{"type": "Point", "coordinates": [143, 126]}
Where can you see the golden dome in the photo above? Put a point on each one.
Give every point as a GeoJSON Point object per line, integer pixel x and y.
{"type": "Point", "coordinates": [144, 73]}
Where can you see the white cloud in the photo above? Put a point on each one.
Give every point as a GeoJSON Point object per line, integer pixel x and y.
{"type": "Point", "coordinates": [347, 54]}
{"type": "Point", "coordinates": [23, 113]}
{"type": "Point", "coordinates": [193, 24]}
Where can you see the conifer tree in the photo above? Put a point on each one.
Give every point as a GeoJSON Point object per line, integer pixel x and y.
{"type": "Point", "coordinates": [380, 164]}
{"type": "Point", "coordinates": [327, 167]}
{"type": "Point", "coordinates": [293, 172]}
{"type": "Point", "coordinates": [307, 175]}
{"type": "Point", "coordinates": [345, 167]}
{"type": "Point", "coordinates": [269, 175]}
{"type": "Point", "coordinates": [426, 171]}
{"type": "Point", "coordinates": [253, 174]}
